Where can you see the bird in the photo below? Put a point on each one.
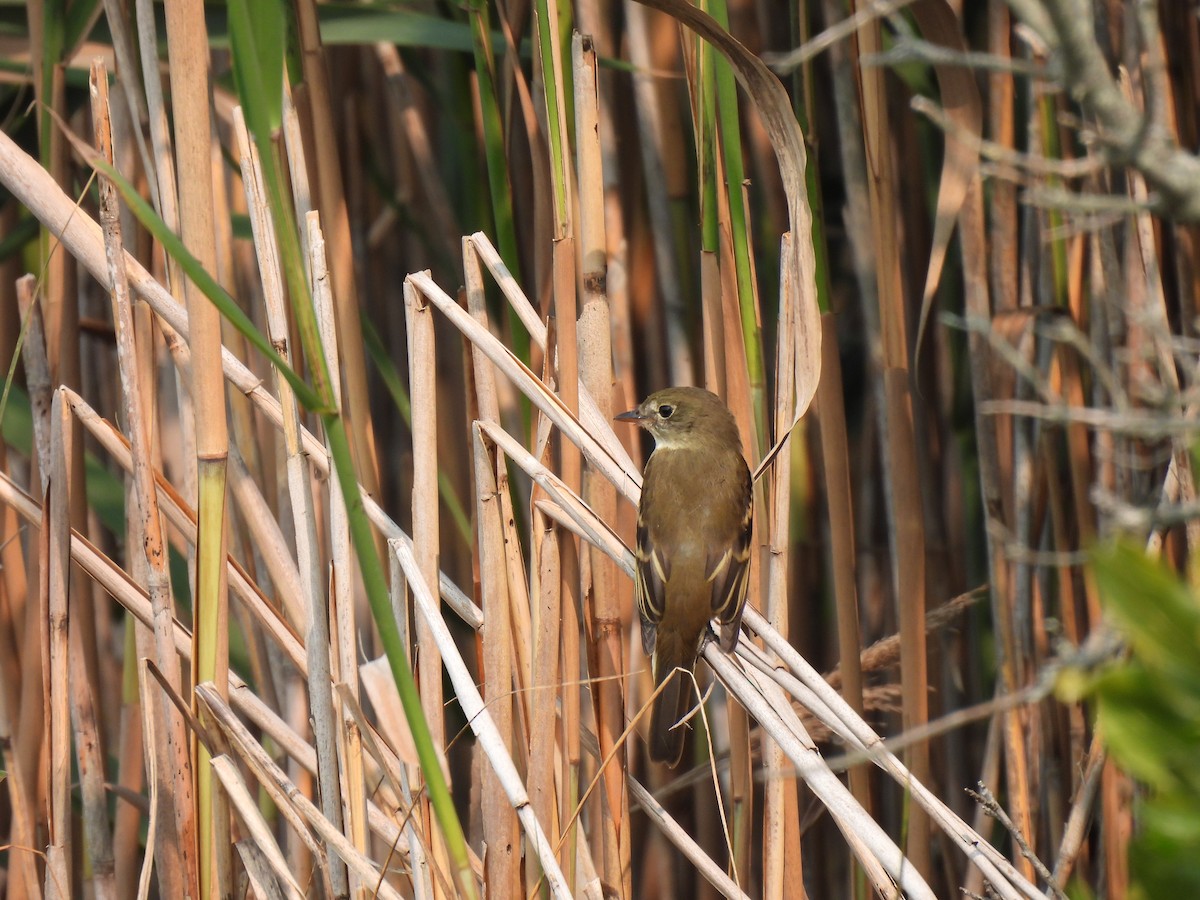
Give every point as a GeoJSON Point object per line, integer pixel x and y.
{"type": "Point", "coordinates": [694, 526]}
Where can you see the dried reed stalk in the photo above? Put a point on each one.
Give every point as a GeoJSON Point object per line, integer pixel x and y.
{"type": "Point", "coordinates": [188, 61]}
{"type": "Point", "coordinates": [781, 836]}
{"type": "Point", "coordinates": [422, 365]}
{"type": "Point", "coordinates": [596, 376]}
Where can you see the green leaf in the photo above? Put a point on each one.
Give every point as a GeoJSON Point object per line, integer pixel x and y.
{"type": "Point", "coordinates": [1148, 713]}
{"type": "Point", "coordinates": [403, 27]}
{"type": "Point", "coordinates": [1143, 727]}
{"type": "Point", "coordinates": [258, 60]}
{"type": "Point", "coordinates": [1154, 610]}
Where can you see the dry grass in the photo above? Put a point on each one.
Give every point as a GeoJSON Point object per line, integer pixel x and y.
{"type": "Point", "coordinates": [314, 567]}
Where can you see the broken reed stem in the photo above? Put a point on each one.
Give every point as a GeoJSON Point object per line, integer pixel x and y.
{"type": "Point", "coordinates": [500, 642]}
{"type": "Point", "coordinates": [499, 825]}
{"type": "Point", "coordinates": [422, 370]}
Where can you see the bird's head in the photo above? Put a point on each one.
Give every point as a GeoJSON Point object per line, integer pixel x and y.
{"type": "Point", "coordinates": [685, 418]}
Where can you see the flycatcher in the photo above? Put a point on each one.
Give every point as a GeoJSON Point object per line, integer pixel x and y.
{"type": "Point", "coordinates": [693, 545]}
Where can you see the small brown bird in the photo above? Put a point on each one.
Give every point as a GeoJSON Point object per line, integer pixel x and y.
{"type": "Point", "coordinates": [693, 545]}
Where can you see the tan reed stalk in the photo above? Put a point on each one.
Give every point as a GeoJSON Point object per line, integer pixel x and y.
{"type": "Point", "coordinates": [781, 837]}
{"type": "Point", "coordinates": [422, 367]}
{"type": "Point", "coordinates": [139, 640]}
{"type": "Point", "coordinates": [60, 303]}
{"type": "Point", "coordinates": [616, 279]}
{"type": "Point", "coordinates": [563, 266]}
{"type": "Point", "coordinates": [120, 25]}
{"type": "Point", "coordinates": [503, 873]}
{"type": "Point", "coordinates": [735, 382]}
{"type": "Point", "coordinates": [88, 746]}
{"type": "Point", "coordinates": [596, 374]}
{"type": "Point", "coordinates": [554, 599]}
{"type": "Point", "coordinates": [161, 170]}
{"type": "Point", "coordinates": [565, 359]}
{"type": "Point", "coordinates": [571, 670]}
{"type": "Point", "coordinates": [548, 624]}
{"type": "Point", "coordinates": [518, 589]}
{"type": "Point", "coordinates": [24, 666]}
{"type": "Point", "coordinates": [906, 513]}
{"type": "Point", "coordinates": [161, 173]}
{"type": "Point", "coordinates": [178, 839]}
{"type": "Point", "coordinates": [297, 162]}
{"type": "Point", "coordinates": [187, 40]}
{"type": "Point", "coordinates": [53, 597]}
{"type": "Point", "coordinates": [21, 659]}
{"type": "Point", "coordinates": [1073, 527]}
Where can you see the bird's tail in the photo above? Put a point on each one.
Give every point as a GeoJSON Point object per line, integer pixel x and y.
{"type": "Point", "coordinates": [673, 703]}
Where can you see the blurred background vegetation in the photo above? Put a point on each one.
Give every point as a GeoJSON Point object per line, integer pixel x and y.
{"type": "Point", "coordinates": [989, 326]}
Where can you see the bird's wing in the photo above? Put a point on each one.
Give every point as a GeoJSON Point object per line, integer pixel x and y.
{"type": "Point", "coordinates": [729, 569]}
{"type": "Point", "coordinates": [650, 585]}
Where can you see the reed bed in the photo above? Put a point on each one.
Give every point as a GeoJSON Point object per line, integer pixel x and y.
{"type": "Point", "coordinates": [315, 575]}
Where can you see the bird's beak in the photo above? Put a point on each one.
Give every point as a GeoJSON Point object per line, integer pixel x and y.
{"type": "Point", "coordinates": [632, 415]}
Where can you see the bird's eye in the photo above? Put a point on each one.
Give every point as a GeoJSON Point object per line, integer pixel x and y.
{"type": "Point", "coordinates": [664, 411]}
